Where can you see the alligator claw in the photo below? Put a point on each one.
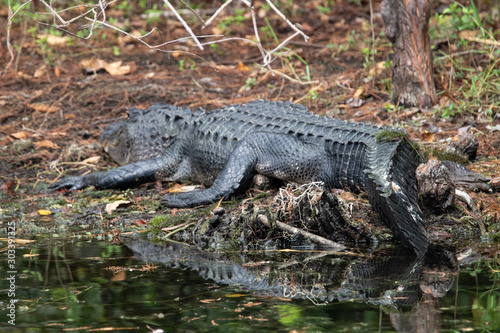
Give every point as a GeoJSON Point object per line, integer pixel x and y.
{"type": "Point", "coordinates": [70, 183]}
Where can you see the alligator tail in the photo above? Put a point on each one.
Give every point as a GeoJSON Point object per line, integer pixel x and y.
{"type": "Point", "coordinates": [393, 193]}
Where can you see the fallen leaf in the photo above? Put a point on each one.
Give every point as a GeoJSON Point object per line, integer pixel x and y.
{"type": "Point", "coordinates": [46, 144]}
{"type": "Point", "coordinates": [43, 107]}
{"type": "Point", "coordinates": [427, 136]}
{"type": "Point", "coordinates": [116, 68]}
{"type": "Point", "coordinates": [114, 205]}
{"type": "Point", "coordinates": [21, 135]}
{"type": "Point", "coordinates": [140, 222]}
{"type": "Point", "coordinates": [92, 160]}
{"type": "Point", "coordinates": [358, 92]}
{"type": "Point", "coordinates": [180, 188]}
{"type": "Point", "coordinates": [53, 40]}
{"type": "Point", "coordinates": [40, 71]}
{"type": "Point", "coordinates": [378, 69]}
{"type": "Point", "coordinates": [44, 212]}
{"type": "Point", "coordinates": [23, 75]}
{"type": "Point", "coordinates": [93, 64]}
{"type": "Point", "coordinates": [242, 67]}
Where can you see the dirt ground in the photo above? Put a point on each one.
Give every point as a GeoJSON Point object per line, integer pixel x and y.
{"type": "Point", "coordinates": [53, 107]}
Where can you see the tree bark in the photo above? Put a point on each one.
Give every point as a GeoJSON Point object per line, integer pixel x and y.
{"type": "Point", "coordinates": [407, 27]}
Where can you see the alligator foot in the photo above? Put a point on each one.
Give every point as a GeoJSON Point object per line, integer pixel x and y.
{"type": "Point", "coordinates": [70, 183]}
{"type": "Point", "coordinates": [187, 199]}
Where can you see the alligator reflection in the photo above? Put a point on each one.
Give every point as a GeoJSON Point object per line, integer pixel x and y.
{"type": "Point", "coordinates": [404, 285]}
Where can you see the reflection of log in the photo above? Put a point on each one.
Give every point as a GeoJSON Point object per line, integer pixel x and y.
{"type": "Point", "coordinates": [407, 27]}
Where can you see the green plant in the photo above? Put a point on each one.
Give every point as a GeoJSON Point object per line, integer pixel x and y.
{"type": "Point", "coordinates": [389, 107]}
{"type": "Point", "coordinates": [236, 19]}
{"type": "Point", "coordinates": [323, 10]}
{"type": "Point", "coordinates": [153, 14]}
{"type": "Point", "coordinates": [250, 83]}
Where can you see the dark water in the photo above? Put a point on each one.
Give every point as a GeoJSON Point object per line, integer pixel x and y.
{"type": "Point", "coordinates": [76, 285]}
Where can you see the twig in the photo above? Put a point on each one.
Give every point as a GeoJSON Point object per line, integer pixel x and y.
{"type": "Point", "coordinates": [314, 238]}
{"type": "Point", "coordinates": [257, 37]}
{"type": "Point", "coordinates": [186, 26]}
{"type": "Point", "coordinates": [483, 41]}
{"type": "Point", "coordinates": [167, 236]}
{"type": "Point", "coordinates": [192, 11]}
{"type": "Point", "coordinates": [221, 8]}
{"type": "Point", "coordinates": [9, 26]}
{"type": "Point", "coordinates": [283, 17]}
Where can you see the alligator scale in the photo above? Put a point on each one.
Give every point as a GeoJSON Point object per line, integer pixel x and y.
{"type": "Point", "coordinates": [225, 148]}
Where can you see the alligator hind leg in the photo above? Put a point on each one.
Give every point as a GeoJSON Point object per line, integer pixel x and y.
{"type": "Point", "coordinates": [275, 155]}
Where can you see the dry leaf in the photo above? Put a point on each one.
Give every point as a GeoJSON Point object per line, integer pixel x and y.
{"type": "Point", "coordinates": [23, 75]}
{"type": "Point", "coordinates": [92, 160]}
{"type": "Point", "coordinates": [40, 71]}
{"type": "Point", "coordinates": [93, 64]}
{"type": "Point", "coordinates": [242, 67]}
{"type": "Point", "coordinates": [358, 92]}
{"type": "Point", "coordinates": [116, 68]}
{"type": "Point", "coordinates": [140, 222]}
{"type": "Point", "coordinates": [57, 71]}
{"type": "Point", "coordinates": [179, 188]}
{"type": "Point", "coordinates": [427, 136]}
{"type": "Point", "coordinates": [379, 68]}
{"type": "Point", "coordinates": [44, 212]}
{"type": "Point", "coordinates": [42, 107]}
{"type": "Point", "coordinates": [21, 135]}
{"type": "Point", "coordinates": [54, 40]}
{"type": "Point", "coordinates": [114, 205]}
{"type": "Point", "coordinates": [46, 144]}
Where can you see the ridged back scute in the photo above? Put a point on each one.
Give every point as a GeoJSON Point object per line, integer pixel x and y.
{"type": "Point", "coordinates": [236, 121]}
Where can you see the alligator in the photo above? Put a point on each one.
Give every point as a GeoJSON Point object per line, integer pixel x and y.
{"type": "Point", "coordinates": [223, 149]}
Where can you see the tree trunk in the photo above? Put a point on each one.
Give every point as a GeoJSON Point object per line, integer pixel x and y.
{"type": "Point", "coordinates": [407, 27]}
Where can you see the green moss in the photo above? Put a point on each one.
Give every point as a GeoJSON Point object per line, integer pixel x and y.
{"type": "Point", "coordinates": [447, 156]}
{"type": "Point", "coordinates": [388, 135]}
{"type": "Point", "coordinates": [159, 221]}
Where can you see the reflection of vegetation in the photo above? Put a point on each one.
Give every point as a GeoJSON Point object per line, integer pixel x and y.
{"type": "Point", "coordinates": [486, 304]}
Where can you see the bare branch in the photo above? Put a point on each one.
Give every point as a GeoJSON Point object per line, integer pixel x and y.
{"type": "Point", "coordinates": [9, 26]}
{"type": "Point", "coordinates": [257, 37]}
{"type": "Point", "coordinates": [186, 26]}
{"type": "Point", "coordinates": [221, 8]}
{"type": "Point", "coordinates": [95, 14]}
{"type": "Point", "coordinates": [192, 11]}
{"type": "Point", "coordinates": [284, 18]}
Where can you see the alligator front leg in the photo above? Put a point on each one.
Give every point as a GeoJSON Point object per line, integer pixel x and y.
{"type": "Point", "coordinates": [122, 177]}
{"type": "Point", "coordinates": [275, 155]}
